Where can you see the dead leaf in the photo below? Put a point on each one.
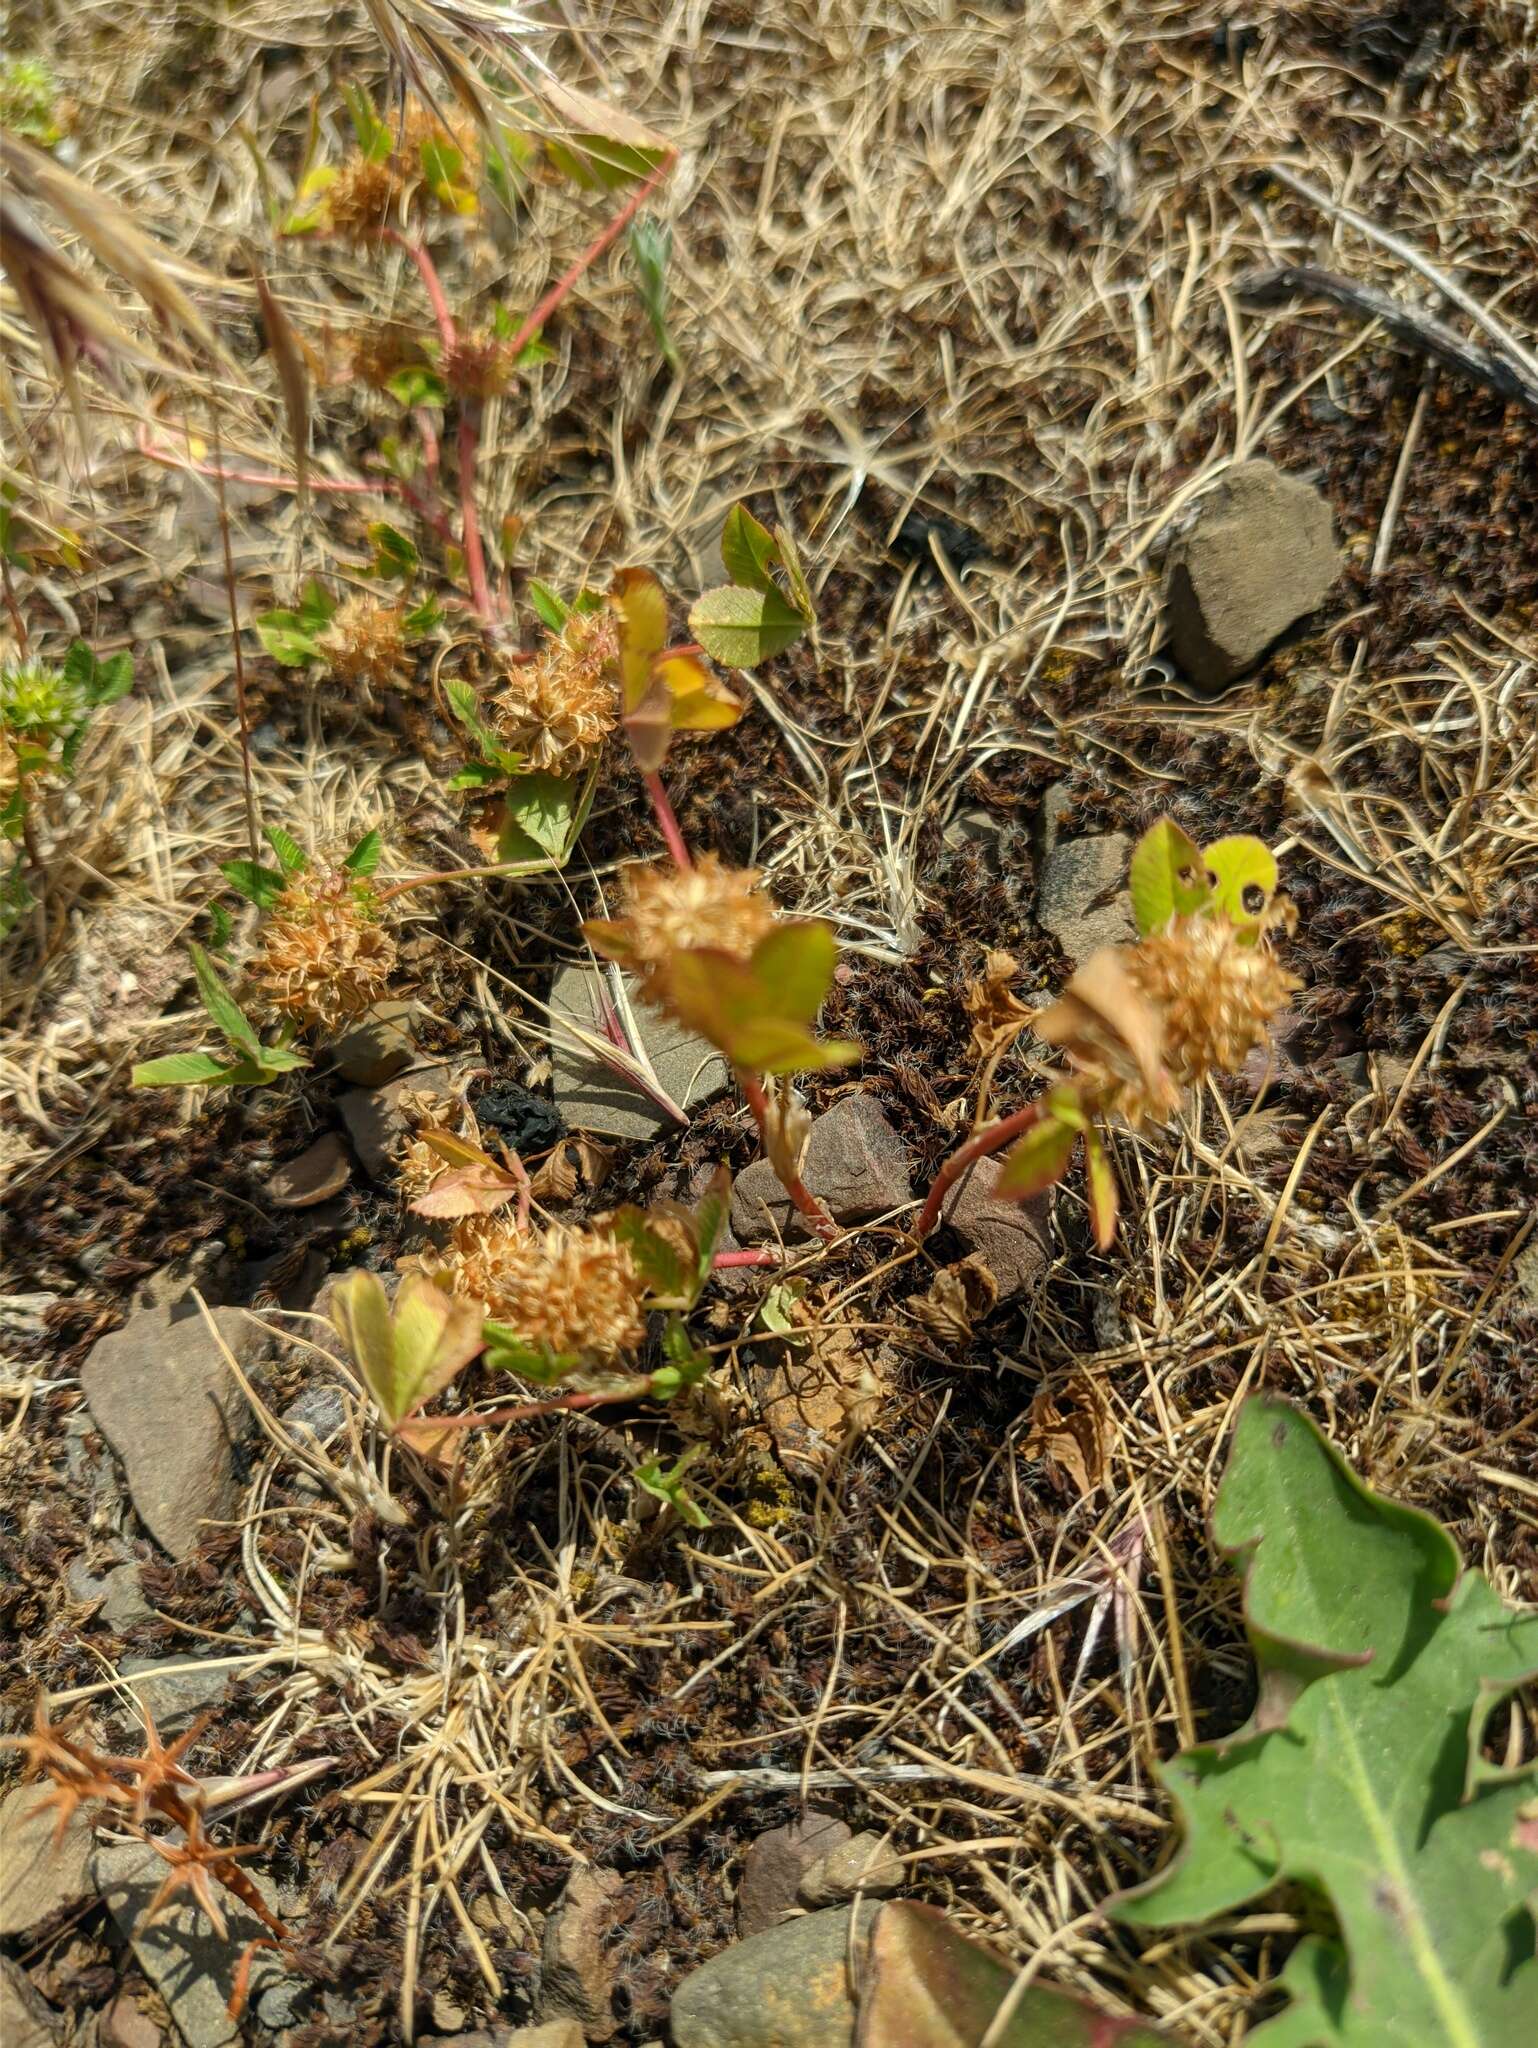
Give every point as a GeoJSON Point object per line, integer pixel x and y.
{"type": "Point", "coordinates": [998, 1016]}
{"type": "Point", "coordinates": [958, 1299]}
{"type": "Point", "coordinates": [555, 1178]}
{"type": "Point", "coordinates": [595, 1160]}
{"type": "Point", "coordinates": [1102, 1017]}
{"type": "Point", "coordinates": [814, 1395]}
{"type": "Point", "coordinates": [1068, 1426]}
{"type": "Point", "coordinates": [474, 1190]}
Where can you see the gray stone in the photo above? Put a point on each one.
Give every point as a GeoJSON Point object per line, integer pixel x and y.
{"type": "Point", "coordinates": [593, 1096]}
{"type": "Point", "coordinates": [123, 1605]}
{"type": "Point", "coordinates": [775, 1864]}
{"type": "Point", "coordinates": [161, 1394]}
{"type": "Point", "coordinates": [1258, 555]}
{"type": "Point", "coordinates": [181, 1954]}
{"type": "Point", "coordinates": [1082, 894]}
{"type": "Point", "coordinates": [377, 1124]}
{"type": "Point", "coordinates": [854, 1164]}
{"type": "Point", "coordinates": [319, 1408]}
{"type": "Point", "coordinates": [181, 1689]}
{"type": "Point", "coordinates": [378, 1046]}
{"type": "Point", "coordinates": [866, 1866]}
{"type": "Point", "coordinates": [1056, 803]}
{"type": "Point", "coordinates": [38, 1876]}
{"type": "Point", "coordinates": [209, 1268]}
{"type": "Point", "coordinates": [1013, 1239]}
{"type": "Point", "coordinates": [786, 1988]}
{"type": "Point", "coordinates": [27, 2020]}
{"type": "Point", "coordinates": [1525, 1267]}
{"type": "Point", "coordinates": [577, 1980]}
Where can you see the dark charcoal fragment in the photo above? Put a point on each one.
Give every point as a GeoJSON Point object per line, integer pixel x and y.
{"type": "Point", "coordinates": [529, 1122]}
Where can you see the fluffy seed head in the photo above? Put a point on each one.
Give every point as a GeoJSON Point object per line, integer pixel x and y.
{"type": "Point", "coordinates": [670, 910]}
{"type": "Point", "coordinates": [1215, 996]}
{"type": "Point", "coordinates": [365, 646]}
{"type": "Point", "coordinates": [364, 197]}
{"type": "Point", "coordinates": [568, 1289]}
{"type": "Point", "coordinates": [558, 709]}
{"type": "Point", "coordinates": [381, 348]}
{"type": "Point", "coordinates": [477, 366]}
{"type": "Point", "coordinates": [325, 954]}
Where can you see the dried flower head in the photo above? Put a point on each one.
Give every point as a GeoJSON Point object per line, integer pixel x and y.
{"type": "Point", "coordinates": [325, 953]}
{"type": "Point", "coordinates": [670, 910]}
{"type": "Point", "coordinates": [364, 197]}
{"type": "Point", "coordinates": [364, 643]}
{"type": "Point", "coordinates": [1215, 994]}
{"type": "Point", "coordinates": [564, 1289]}
{"type": "Point", "coordinates": [478, 366]}
{"type": "Point", "coordinates": [417, 1164]}
{"type": "Point", "coordinates": [557, 709]}
{"type": "Point", "coordinates": [379, 349]}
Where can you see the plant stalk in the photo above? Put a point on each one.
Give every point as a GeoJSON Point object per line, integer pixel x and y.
{"type": "Point", "coordinates": [976, 1147]}
{"type": "Point", "coordinates": [667, 823]}
{"type": "Point", "coordinates": [794, 1186]}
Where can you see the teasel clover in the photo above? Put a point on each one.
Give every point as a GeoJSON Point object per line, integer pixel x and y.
{"type": "Point", "coordinates": [1142, 1024]}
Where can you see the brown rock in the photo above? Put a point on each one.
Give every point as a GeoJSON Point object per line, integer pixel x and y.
{"type": "Point", "coordinates": [854, 1164]}
{"type": "Point", "coordinates": [37, 1875]}
{"type": "Point", "coordinates": [786, 1988]}
{"type": "Point", "coordinates": [161, 1394]}
{"type": "Point", "coordinates": [866, 1866]}
{"type": "Point", "coordinates": [1259, 554]}
{"type": "Point", "coordinates": [27, 2020]}
{"type": "Point", "coordinates": [377, 1046]}
{"type": "Point", "coordinates": [320, 1171]}
{"type": "Point", "coordinates": [775, 1864]}
{"type": "Point", "coordinates": [378, 1125]}
{"type": "Point", "coordinates": [1013, 1239]}
{"type": "Point", "coordinates": [578, 1982]}
{"type": "Point", "coordinates": [125, 2024]}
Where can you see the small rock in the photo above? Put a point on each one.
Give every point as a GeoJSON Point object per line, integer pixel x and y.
{"type": "Point", "coordinates": [1056, 804]}
{"type": "Point", "coordinates": [161, 1394]}
{"type": "Point", "coordinates": [289, 1279]}
{"type": "Point", "coordinates": [1525, 1266]}
{"type": "Point", "coordinates": [208, 1268]}
{"type": "Point", "coordinates": [377, 1046]}
{"type": "Point", "coordinates": [181, 1689]}
{"type": "Point", "coordinates": [549, 2034]}
{"type": "Point", "coordinates": [124, 965]}
{"type": "Point", "coordinates": [125, 2024]}
{"type": "Point", "coordinates": [123, 1605]}
{"type": "Point", "coordinates": [854, 1164]}
{"type": "Point", "coordinates": [1259, 554]}
{"type": "Point", "coordinates": [27, 2020]}
{"type": "Point", "coordinates": [578, 1979]}
{"type": "Point", "coordinates": [593, 1096]}
{"type": "Point", "coordinates": [321, 1170]}
{"type": "Point", "coordinates": [318, 1408]}
{"type": "Point", "coordinates": [865, 1866]}
{"type": "Point", "coordinates": [786, 1988]}
{"type": "Point", "coordinates": [775, 1864]}
{"type": "Point", "coordinates": [376, 1122]}
{"type": "Point", "coordinates": [1013, 1239]}
{"type": "Point", "coordinates": [1082, 894]}
{"type": "Point", "coordinates": [185, 1960]}
{"type": "Point", "coordinates": [37, 1876]}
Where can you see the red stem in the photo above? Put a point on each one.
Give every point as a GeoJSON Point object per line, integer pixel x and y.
{"type": "Point", "coordinates": [475, 559]}
{"type": "Point", "coordinates": [987, 1140]}
{"type": "Point", "coordinates": [590, 255]}
{"type": "Point", "coordinates": [795, 1187]}
{"type": "Point", "coordinates": [447, 332]}
{"type": "Point", "coordinates": [723, 1260]}
{"type": "Point", "coordinates": [380, 487]}
{"type": "Point", "coordinates": [667, 824]}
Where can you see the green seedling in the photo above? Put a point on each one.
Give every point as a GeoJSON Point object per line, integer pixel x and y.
{"type": "Point", "coordinates": [253, 1063]}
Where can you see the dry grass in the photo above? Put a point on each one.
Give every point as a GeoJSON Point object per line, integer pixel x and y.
{"type": "Point", "coordinates": [981, 268]}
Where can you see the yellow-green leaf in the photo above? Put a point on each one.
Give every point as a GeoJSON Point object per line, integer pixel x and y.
{"type": "Point", "coordinates": [408, 1353]}
{"type": "Point", "coordinates": [1243, 875]}
{"type": "Point", "coordinates": [1166, 877]}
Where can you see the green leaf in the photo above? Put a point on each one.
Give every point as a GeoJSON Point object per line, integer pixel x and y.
{"type": "Point", "coordinates": [227, 1014]}
{"type": "Point", "coordinates": [478, 775]}
{"type": "Point", "coordinates": [749, 550]}
{"type": "Point", "coordinates": [315, 607]}
{"type": "Point", "coordinates": [1103, 1199]}
{"type": "Point", "coordinates": [759, 1013]}
{"type": "Point", "coordinates": [423, 618]}
{"type": "Point", "coordinates": [1038, 1161]}
{"type": "Point", "coordinates": [667, 1273]}
{"type": "Point", "coordinates": [292, 858]}
{"type": "Point", "coordinates": [542, 808]}
{"type": "Point", "coordinates": [279, 1059]}
{"type": "Point", "coordinates": [710, 1216]}
{"type": "Point", "coordinates": [417, 385]}
{"type": "Point", "coordinates": [364, 858]}
{"type": "Point", "coordinates": [669, 1486]}
{"type": "Point", "coordinates": [408, 1351]}
{"type": "Point", "coordinates": [112, 679]}
{"type": "Point", "coordinates": [795, 575]}
{"type": "Point", "coordinates": [744, 627]}
{"type": "Point", "coordinates": [78, 667]}
{"type": "Point", "coordinates": [466, 707]}
{"type": "Point", "coordinates": [220, 927]}
{"type": "Point", "coordinates": [443, 166]}
{"type": "Point", "coordinates": [1379, 1659]}
{"type": "Point", "coordinates": [259, 885]}
{"type": "Point", "coordinates": [16, 899]}
{"type": "Point", "coordinates": [286, 638]}
{"type": "Point", "coordinates": [375, 139]}
{"type": "Point", "coordinates": [394, 554]}
{"type": "Point", "coordinates": [552, 611]}
{"type": "Point", "coordinates": [1243, 875]}
{"type": "Point", "coordinates": [1166, 877]}
{"type": "Point", "coordinates": [12, 817]}
{"type": "Point", "coordinates": [187, 1070]}
{"type": "Point", "coordinates": [651, 244]}
{"type": "Point", "coordinates": [927, 1986]}
{"type": "Point", "coordinates": [508, 1352]}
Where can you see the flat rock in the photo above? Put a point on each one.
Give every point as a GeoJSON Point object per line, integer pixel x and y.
{"type": "Point", "coordinates": [38, 1876]}
{"type": "Point", "coordinates": [865, 1866]}
{"type": "Point", "coordinates": [786, 1988]}
{"type": "Point", "coordinates": [548, 2034]}
{"type": "Point", "coordinates": [578, 1977]}
{"type": "Point", "coordinates": [378, 1046]}
{"type": "Point", "coordinates": [120, 1595]}
{"type": "Point", "coordinates": [376, 1122]}
{"type": "Point", "coordinates": [179, 1690]}
{"type": "Point", "coordinates": [593, 1096]}
{"type": "Point", "coordinates": [1259, 554]}
{"type": "Point", "coordinates": [775, 1864]}
{"type": "Point", "coordinates": [27, 2020]}
{"type": "Point", "coordinates": [1525, 1267]}
{"type": "Point", "coordinates": [182, 1956]}
{"type": "Point", "coordinates": [854, 1164]}
{"type": "Point", "coordinates": [1013, 1239]}
{"type": "Point", "coordinates": [161, 1394]}
{"type": "Point", "coordinates": [318, 1172]}
{"type": "Point", "coordinates": [209, 1268]}
{"type": "Point", "coordinates": [1082, 895]}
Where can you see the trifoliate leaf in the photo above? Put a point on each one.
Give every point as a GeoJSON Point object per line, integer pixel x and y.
{"type": "Point", "coordinates": [286, 639]}
{"type": "Point", "coordinates": [744, 627]}
{"type": "Point", "coordinates": [552, 611]}
{"type": "Point", "coordinates": [1243, 876]}
{"type": "Point", "coordinates": [760, 1013]}
{"type": "Point", "coordinates": [408, 1352]}
{"type": "Point", "coordinates": [394, 554]}
{"type": "Point", "coordinates": [364, 857]}
{"type": "Point", "coordinates": [259, 885]}
{"type": "Point", "coordinates": [292, 858]}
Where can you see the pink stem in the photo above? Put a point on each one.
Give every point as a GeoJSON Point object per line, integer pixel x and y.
{"type": "Point", "coordinates": [475, 559]}
{"type": "Point", "coordinates": [795, 1187]}
{"type": "Point", "coordinates": [977, 1147]}
{"type": "Point", "coordinates": [667, 824]}
{"type": "Point", "coordinates": [723, 1260]}
{"type": "Point", "coordinates": [417, 251]}
{"type": "Point", "coordinates": [381, 487]}
{"type": "Point", "coordinates": [590, 255]}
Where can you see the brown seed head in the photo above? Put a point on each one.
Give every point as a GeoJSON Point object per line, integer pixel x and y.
{"type": "Point", "coordinates": [670, 910]}
{"type": "Point", "coordinates": [381, 348]}
{"type": "Point", "coordinates": [364, 644]}
{"type": "Point", "coordinates": [571, 1290]}
{"type": "Point", "coordinates": [325, 954]}
{"type": "Point", "coordinates": [1216, 996]}
{"type": "Point", "coordinates": [558, 709]}
{"type": "Point", "coordinates": [364, 197]}
{"type": "Point", "coordinates": [477, 366]}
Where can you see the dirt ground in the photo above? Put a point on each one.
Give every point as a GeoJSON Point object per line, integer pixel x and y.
{"type": "Point", "coordinates": [956, 291]}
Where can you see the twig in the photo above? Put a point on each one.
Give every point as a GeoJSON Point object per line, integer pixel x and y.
{"type": "Point", "coordinates": [1384, 546]}
{"type": "Point", "coordinates": [1420, 331]}
{"type": "Point", "coordinates": [242, 709]}
{"type": "Point", "coordinates": [1454, 293]}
